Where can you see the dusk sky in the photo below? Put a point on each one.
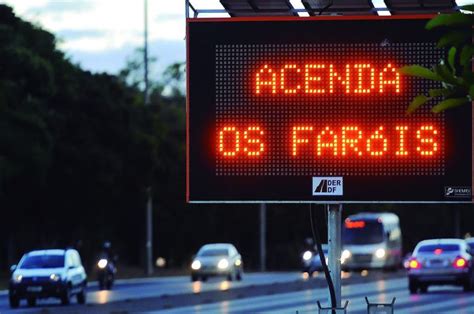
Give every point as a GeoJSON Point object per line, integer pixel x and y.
{"type": "Point", "coordinates": [101, 34]}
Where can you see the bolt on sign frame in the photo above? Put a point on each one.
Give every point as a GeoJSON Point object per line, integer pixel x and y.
{"type": "Point", "coordinates": [292, 109]}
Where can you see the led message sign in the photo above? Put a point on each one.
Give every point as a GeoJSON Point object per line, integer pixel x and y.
{"type": "Point", "coordinates": [314, 110]}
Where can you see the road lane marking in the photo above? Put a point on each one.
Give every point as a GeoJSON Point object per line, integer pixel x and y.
{"type": "Point", "coordinates": [284, 300]}
{"type": "Point", "coordinates": [461, 301]}
{"type": "Point", "coordinates": [154, 289]}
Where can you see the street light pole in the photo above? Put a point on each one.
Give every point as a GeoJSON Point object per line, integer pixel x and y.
{"type": "Point", "coordinates": [149, 205]}
{"type": "Point", "coordinates": [145, 53]}
{"type": "Point", "coordinates": [149, 233]}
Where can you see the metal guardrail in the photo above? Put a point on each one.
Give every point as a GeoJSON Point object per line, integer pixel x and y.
{"type": "Point", "coordinates": [380, 308]}
{"type": "Point", "coordinates": [372, 308]}
{"type": "Point", "coordinates": [332, 310]}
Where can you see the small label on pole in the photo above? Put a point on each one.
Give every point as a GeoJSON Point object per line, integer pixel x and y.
{"type": "Point", "coordinates": [327, 186]}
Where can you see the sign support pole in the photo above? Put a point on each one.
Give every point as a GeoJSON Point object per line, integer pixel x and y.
{"type": "Point", "coordinates": [457, 222]}
{"type": "Point", "coordinates": [335, 245]}
{"type": "Point", "coordinates": [263, 236]}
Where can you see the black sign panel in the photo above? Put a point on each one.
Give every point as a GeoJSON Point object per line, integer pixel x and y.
{"type": "Point", "coordinates": [314, 110]}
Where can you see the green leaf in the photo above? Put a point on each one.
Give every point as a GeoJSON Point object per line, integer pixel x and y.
{"type": "Point", "coordinates": [450, 20]}
{"type": "Point", "coordinates": [447, 75]}
{"type": "Point", "coordinates": [468, 76]}
{"type": "Point", "coordinates": [469, 7]}
{"type": "Point", "coordinates": [471, 91]}
{"type": "Point", "coordinates": [419, 71]}
{"type": "Point", "coordinates": [417, 102]}
{"type": "Point", "coordinates": [449, 103]}
{"type": "Point", "coordinates": [455, 38]}
{"type": "Point", "coordinates": [452, 58]}
{"type": "Point", "coordinates": [466, 55]}
{"type": "Point", "coordinates": [438, 92]}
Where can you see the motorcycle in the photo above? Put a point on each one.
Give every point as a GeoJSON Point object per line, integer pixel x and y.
{"type": "Point", "coordinates": [105, 273]}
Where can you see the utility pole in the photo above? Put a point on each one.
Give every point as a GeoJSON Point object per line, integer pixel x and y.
{"type": "Point", "coordinates": [263, 236]}
{"type": "Point", "coordinates": [149, 205]}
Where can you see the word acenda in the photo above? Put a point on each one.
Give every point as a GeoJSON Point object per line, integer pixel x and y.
{"type": "Point", "coordinates": [337, 142]}
{"type": "Point", "coordinates": [326, 78]}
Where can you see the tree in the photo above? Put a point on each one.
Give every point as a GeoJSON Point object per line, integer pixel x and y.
{"type": "Point", "coordinates": [75, 147]}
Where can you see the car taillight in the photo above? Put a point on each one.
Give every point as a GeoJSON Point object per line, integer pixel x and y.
{"type": "Point", "coordinates": [459, 262]}
{"type": "Point", "coordinates": [414, 264]}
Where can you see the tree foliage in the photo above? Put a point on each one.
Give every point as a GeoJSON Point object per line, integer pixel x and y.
{"type": "Point", "coordinates": [454, 71]}
{"type": "Point", "coordinates": [77, 150]}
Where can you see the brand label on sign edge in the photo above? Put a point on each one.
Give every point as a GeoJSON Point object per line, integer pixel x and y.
{"type": "Point", "coordinates": [457, 191]}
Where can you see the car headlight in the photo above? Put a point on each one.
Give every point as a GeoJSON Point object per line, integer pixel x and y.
{"type": "Point", "coordinates": [307, 255]}
{"type": "Point", "coordinates": [196, 265]}
{"type": "Point", "coordinates": [55, 277]}
{"type": "Point", "coordinates": [17, 278]}
{"type": "Point", "coordinates": [345, 255]}
{"type": "Point", "coordinates": [380, 253]}
{"type": "Point", "coordinates": [238, 262]}
{"type": "Point", "coordinates": [102, 263]}
{"type": "Point", "coordinates": [223, 264]}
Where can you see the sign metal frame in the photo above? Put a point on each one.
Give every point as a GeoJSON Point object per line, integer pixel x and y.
{"type": "Point", "coordinates": [191, 199]}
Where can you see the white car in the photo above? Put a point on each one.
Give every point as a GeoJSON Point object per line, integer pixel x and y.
{"type": "Point", "coordinates": [220, 259]}
{"type": "Point", "coordinates": [440, 262]}
{"type": "Point", "coordinates": [470, 242]}
{"type": "Point", "coordinates": [48, 274]}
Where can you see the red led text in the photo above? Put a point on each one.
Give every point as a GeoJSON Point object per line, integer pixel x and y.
{"type": "Point", "coordinates": [233, 141]}
{"type": "Point", "coordinates": [323, 78]}
{"type": "Point", "coordinates": [351, 140]}
{"type": "Point", "coordinates": [345, 141]}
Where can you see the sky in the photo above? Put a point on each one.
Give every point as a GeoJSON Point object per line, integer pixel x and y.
{"type": "Point", "coordinates": [101, 34]}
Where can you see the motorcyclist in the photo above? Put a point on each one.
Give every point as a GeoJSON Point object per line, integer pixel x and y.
{"type": "Point", "coordinates": [106, 263]}
{"type": "Point", "coordinates": [106, 250]}
{"type": "Point", "coordinates": [107, 254]}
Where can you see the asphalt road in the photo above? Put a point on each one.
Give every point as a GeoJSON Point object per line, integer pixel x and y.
{"type": "Point", "coordinates": [134, 289]}
{"type": "Point", "coordinates": [258, 293]}
{"type": "Point", "coordinates": [438, 300]}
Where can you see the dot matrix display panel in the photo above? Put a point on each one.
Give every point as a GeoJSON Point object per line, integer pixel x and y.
{"type": "Point", "coordinates": [275, 104]}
